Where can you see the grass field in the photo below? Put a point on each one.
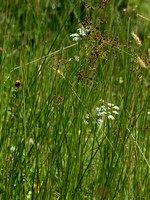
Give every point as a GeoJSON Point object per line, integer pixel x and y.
{"type": "Point", "coordinates": [74, 99]}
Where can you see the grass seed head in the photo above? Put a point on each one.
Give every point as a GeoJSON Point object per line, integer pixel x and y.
{"type": "Point", "coordinates": [136, 38]}
{"type": "Point", "coordinates": [60, 73]}
{"type": "Point", "coordinates": [142, 64]}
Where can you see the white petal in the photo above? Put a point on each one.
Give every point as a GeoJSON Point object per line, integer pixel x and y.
{"type": "Point", "coordinates": [116, 107]}
{"type": "Point", "coordinates": [103, 107]}
{"type": "Point", "coordinates": [76, 38]}
{"type": "Point", "coordinates": [111, 117]}
{"type": "Point", "coordinates": [87, 116]}
{"type": "Point", "coordinates": [82, 31]}
{"type": "Point", "coordinates": [101, 113]}
{"type": "Point", "coordinates": [98, 109]}
{"type": "Point", "coordinates": [115, 112]}
{"type": "Point", "coordinates": [85, 122]}
{"type": "Point", "coordinates": [74, 35]}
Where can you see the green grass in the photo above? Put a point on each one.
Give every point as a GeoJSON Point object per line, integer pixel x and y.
{"type": "Point", "coordinates": [52, 142]}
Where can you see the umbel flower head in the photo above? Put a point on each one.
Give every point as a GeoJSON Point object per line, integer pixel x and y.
{"type": "Point", "coordinates": [18, 83]}
{"type": "Point", "coordinates": [82, 32]}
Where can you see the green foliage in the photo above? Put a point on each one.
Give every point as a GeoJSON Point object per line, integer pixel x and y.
{"type": "Point", "coordinates": [74, 112]}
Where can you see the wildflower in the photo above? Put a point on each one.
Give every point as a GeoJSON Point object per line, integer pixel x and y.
{"type": "Point", "coordinates": [70, 59]}
{"type": "Point", "coordinates": [115, 112]}
{"type": "Point", "coordinates": [98, 109]}
{"type": "Point", "coordinates": [116, 107]}
{"type": "Point", "coordinates": [85, 122]}
{"type": "Point", "coordinates": [82, 31]}
{"type": "Point", "coordinates": [101, 113]}
{"type": "Point", "coordinates": [18, 83]}
{"type": "Point", "coordinates": [103, 107]}
{"type": "Point", "coordinates": [100, 121]}
{"type": "Point", "coordinates": [111, 117]}
{"type": "Point", "coordinates": [76, 39]}
{"type": "Point", "coordinates": [74, 35]}
{"type": "Point", "coordinates": [87, 116]}
{"type": "Point", "coordinates": [136, 38]}
{"type": "Point", "coordinates": [110, 104]}
{"type": "Point", "coordinates": [141, 62]}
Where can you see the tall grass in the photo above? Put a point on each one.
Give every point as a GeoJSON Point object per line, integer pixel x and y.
{"type": "Point", "coordinates": [74, 115]}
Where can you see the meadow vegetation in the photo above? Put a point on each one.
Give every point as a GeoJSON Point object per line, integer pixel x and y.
{"type": "Point", "coordinates": [74, 99]}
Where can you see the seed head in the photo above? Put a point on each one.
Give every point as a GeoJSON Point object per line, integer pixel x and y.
{"type": "Point", "coordinates": [142, 64]}
{"type": "Point", "coordinates": [60, 73]}
{"type": "Point", "coordinates": [136, 38]}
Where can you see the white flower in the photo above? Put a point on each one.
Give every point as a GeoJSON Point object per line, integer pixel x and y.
{"type": "Point", "coordinates": [76, 38]}
{"type": "Point", "coordinates": [100, 121]}
{"type": "Point", "coordinates": [85, 122]}
{"type": "Point", "coordinates": [116, 107]}
{"type": "Point", "coordinates": [111, 117]}
{"type": "Point", "coordinates": [69, 59]}
{"type": "Point", "coordinates": [110, 104]}
{"type": "Point", "coordinates": [108, 108]}
{"type": "Point", "coordinates": [98, 109]}
{"type": "Point", "coordinates": [82, 31]}
{"type": "Point", "coordinates": [87, 116]}
{"type": "Point", "coordinates": [115, 112]}
{"type": "Point", "coordinates": [101, 113]}
{"type": "Point", "coordinates": [74, 35]}
{"type": "Point", "coordinates": [103, 107]}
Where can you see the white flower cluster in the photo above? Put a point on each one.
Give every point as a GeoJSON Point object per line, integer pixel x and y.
{"type": "Point", "coordinates": [82, 32]}
{"type": "Point", "coordinates": [110, 110]}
